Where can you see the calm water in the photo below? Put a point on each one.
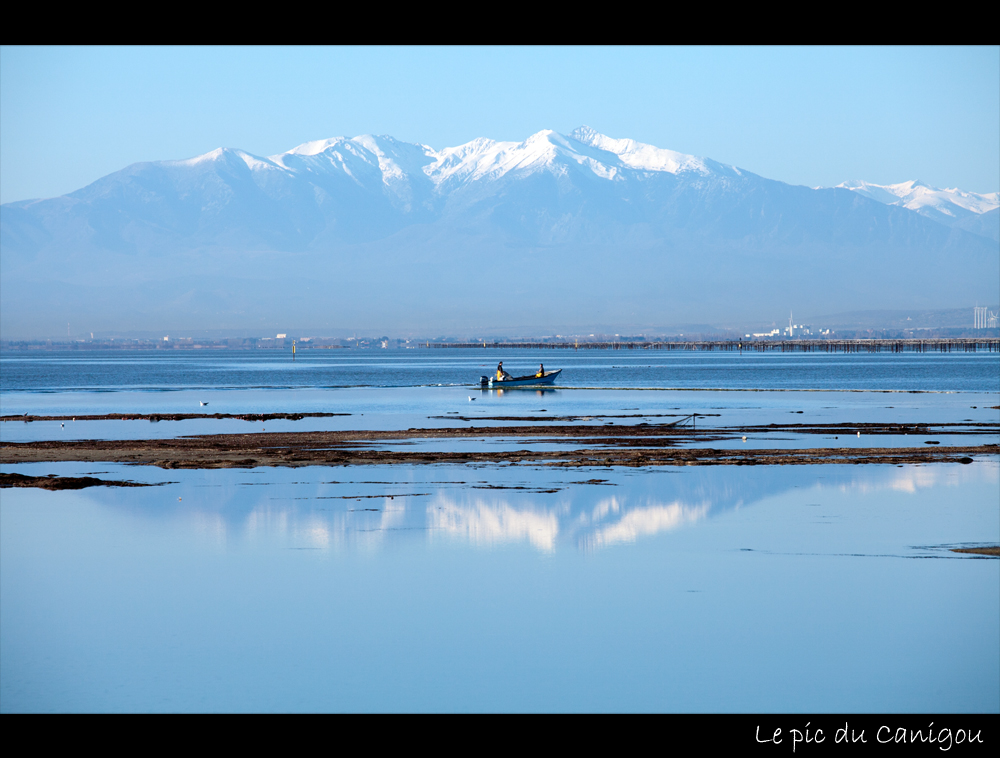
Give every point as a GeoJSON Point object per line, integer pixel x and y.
{"type": "Point", "coordinates": [485, 588]}
{"type": "Point", "coordinates": [383, 389]}
{"type": "Point", "coordinates": [171, 371]}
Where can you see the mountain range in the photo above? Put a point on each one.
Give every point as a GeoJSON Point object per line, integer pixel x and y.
{"type": "Point", "coordinates": [558, 232]}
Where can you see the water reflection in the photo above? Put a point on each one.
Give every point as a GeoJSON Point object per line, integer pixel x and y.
{"type": "Point", "coordinates": [485, 524]}
{"type": "Point", "coordinates": [301, 527]}
{"type": "Point", "coordinates": [515, 506]}
{"type": "Point", "coordinates": [502, 588]}
{"type": "Point", "coordinates": [641, 521]}
{"type": "Point", "coordinates": [522, 392]}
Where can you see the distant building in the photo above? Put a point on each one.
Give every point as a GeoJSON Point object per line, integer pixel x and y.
{"type": "Point", "coordinates": [792, 329]}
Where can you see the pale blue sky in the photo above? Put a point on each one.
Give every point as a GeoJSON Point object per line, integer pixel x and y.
{"type": "Point", "coordinates": [814, 116]}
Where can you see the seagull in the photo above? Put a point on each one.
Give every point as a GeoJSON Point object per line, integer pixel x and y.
{"type": "Point", "coordinates": [859, 434]}
{"type": "Point", "coordinates": [62, 425]}
{"type": "Point", "coordinates": [471, 398]}
{"type": "Point", "coordinates": [744, 438]}
{"type": "Point", "coordinates": [204, 403]}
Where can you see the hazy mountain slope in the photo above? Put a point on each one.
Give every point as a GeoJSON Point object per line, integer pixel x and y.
{"type": "Point", "coordinates": [985, 224]}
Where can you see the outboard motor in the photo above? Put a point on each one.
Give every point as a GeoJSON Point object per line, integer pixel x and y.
{"type": "Point", "coordinates": [484, 381]}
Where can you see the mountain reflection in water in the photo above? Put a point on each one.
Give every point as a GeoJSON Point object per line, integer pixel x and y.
{"type": "Point", "coordinates": [521, 506]}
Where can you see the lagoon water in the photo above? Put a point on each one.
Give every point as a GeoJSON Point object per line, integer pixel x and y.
{"type": "Point", "coordinates": [215, 370]}
{"type": "Point", "coordinates": [499, 588]}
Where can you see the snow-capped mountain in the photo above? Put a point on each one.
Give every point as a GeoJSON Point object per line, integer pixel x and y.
{"type": "Point", "coordinates": [948, 206]}
{"type": "Point", "coordinates": [481, 159]}
{"type": "Point", "coordinates": [563, 228]}
{"type": "Point", "coordinates": [417, 177]}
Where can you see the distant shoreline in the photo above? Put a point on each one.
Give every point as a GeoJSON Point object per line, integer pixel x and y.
{"type": "Point", "coordinates": [843, 343]}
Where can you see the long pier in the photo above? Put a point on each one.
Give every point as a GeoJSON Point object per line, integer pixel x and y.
{"type": "Point", "coordinates": [949, 345]}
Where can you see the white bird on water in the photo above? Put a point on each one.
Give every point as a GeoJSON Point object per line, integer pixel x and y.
{"type": "Point", "coordinates": [203, 403]}
{"type": "Point", "coordinates": [471, 398]}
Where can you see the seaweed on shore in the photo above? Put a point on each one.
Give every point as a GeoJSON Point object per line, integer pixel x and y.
{"type": "Point", "coordinates": [54, 482]}
{"type": "Point", "coordinates": [619, 448]}
{"type": "Point", "coordinates": [154, 417]}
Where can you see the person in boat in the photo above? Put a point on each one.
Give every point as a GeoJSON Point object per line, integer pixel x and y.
{"type": "Point", "coordinates": [501, 374]}
{"type": "Point", "coordinates": [541, 371]}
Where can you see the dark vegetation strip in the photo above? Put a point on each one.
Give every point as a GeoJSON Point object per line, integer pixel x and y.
{"type": "Point", "coordinates": [27, 418]}
{"type": "Point", "coordinates": [582, 417]}
{"type": "Point", "coordinates": [607, 433]}
{"type": "Point", "coordinates": [53, 482]}
{"type": "Point", "coordinates": [962, 427]}
{"type": "Point", "coordinates": [618, 446]}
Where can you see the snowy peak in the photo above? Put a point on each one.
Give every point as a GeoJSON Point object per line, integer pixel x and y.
{"type": "Point", "coordinates": [484, 159]}
{"type": "Point", "coordinates": [584, 148]}
{"type": "Point", "coordinates": [226, 155]}
{"type": "Point", "coordinates": [481, 158]}
{"type": "Point", "coordinates": [381, 160]}
{"type": "Point", "coordinates": [638, 155]}
{"type": "Point", "coordinates": [944, 205]}
{"type": "Point", "coordinates": [312, 148]}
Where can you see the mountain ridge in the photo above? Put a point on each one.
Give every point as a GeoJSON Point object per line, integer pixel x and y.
{"type": "Point", "coordinates": [582, 226]}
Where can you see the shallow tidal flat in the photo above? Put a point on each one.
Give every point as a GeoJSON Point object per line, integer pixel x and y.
{"type": "Point", "coordinates": [409, 548]}
{"type": "Point", "coordinates": [549, 443]}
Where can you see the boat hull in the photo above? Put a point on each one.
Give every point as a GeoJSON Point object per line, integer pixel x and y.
{"type": "Point", "coordinates": [546, 379]}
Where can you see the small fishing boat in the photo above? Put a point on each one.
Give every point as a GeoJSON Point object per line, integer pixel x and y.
{"type": "Point", "coordinates": [549, 377]}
